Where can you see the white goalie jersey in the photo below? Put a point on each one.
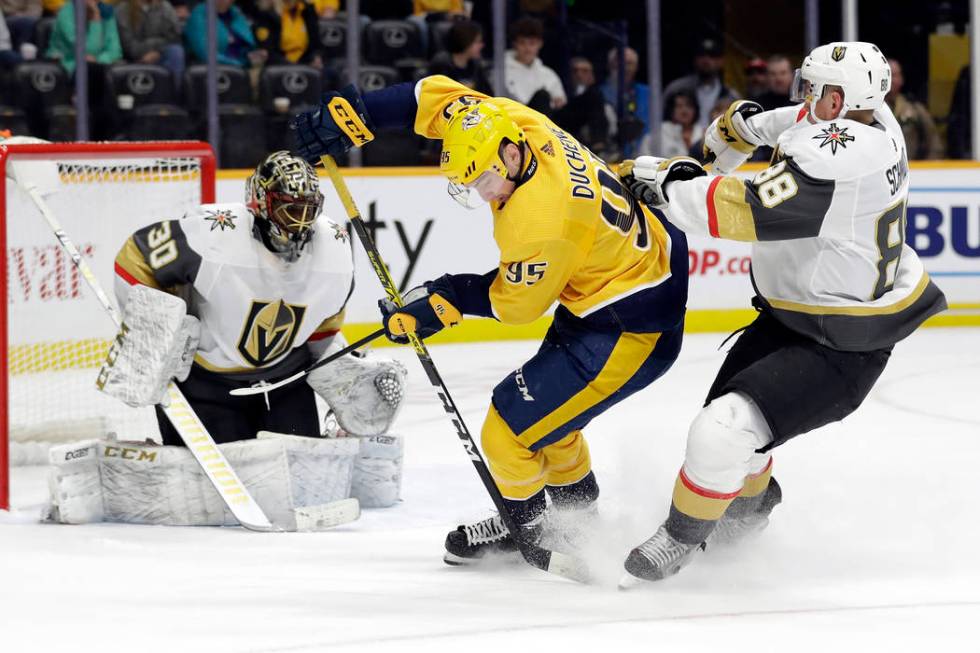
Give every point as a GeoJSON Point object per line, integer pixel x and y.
{"type": "Point", "coordinates": [257, 311]}
{"type": "Point", "coordinates": [827, 223]}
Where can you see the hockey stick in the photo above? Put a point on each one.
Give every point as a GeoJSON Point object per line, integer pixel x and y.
{"type": "Point", "coordinates": [550, 561]}
{"type": "Point", "coordinates": [185, 421]}
{"type": "Point", "coordinates": [327, 515]}
{"type": "Point", "coordinates": [263, 388]}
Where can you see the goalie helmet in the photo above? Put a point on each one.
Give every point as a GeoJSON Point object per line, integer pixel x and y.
{"type": "Point", "coordinates": [857, 67]}
{"type": "Point", "coordinates": [284, 196]}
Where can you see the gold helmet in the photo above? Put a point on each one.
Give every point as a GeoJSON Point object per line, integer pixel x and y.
{"type": "Point", "coordinates": [284, 195]}
{"type": "Point", "coordinates": [472, 143]}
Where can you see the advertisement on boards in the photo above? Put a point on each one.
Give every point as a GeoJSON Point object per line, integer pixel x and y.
{"type": "Point", "coordinates": [423, 233]}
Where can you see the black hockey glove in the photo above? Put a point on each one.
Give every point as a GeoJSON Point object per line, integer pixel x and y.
{"type": "Point", "coordinates": [647, 177]}
{"type": "Point", "coordinates": [428, 310]}
{"type": "Point", "coordinates": [338, 124]}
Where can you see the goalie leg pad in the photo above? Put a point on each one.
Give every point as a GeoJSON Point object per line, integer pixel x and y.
{"type": "Point", "coordinates": [378, 471]}
{"type": "Point", "coordinates": [365, 392]}
{"type": "Point", "coordinates": [75, 484]}
{"type": "Point", "coordinates": [149, 484]}
{"type": "Point", "coordinates": [156, 343]}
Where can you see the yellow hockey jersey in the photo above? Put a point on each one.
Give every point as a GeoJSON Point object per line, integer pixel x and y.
{"type": "Point", "coordinates": [570, 232]}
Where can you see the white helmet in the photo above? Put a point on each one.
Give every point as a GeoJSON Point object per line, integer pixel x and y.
{"type": "Point", "coordinates": [857, 67]}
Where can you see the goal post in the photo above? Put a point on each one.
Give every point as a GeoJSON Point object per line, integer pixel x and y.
{"type": "Point", "coordinates": [53, 331]}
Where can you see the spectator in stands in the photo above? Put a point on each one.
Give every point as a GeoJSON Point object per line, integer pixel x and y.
{"type": "Point", "coordinates": [756, 80]}
{"type": "Point", "coordinates": [921, 136]}
{"type": "Point", "coordinates": [287, 30]}
{"type": "Point", "coordinates": [585, 114]}
{"type": "Point", "coordinates": [21, 17]}
{"type": "Point", "coordinates": [8, 56]}
{"type": "Point", "coordinates": [150, 33]}
{"type": "Point", "coordinates": [327, 8]}
{"type": "Point", "coordinates": [632, 126]}
{"type": "Point", "coordinates": [235, 41]}
{"type": "Point", "coordinates": [51, 7]}
{"type": "Point", "coordinates": [779, 77]}
{"type": "Point", "coordinates": [101, 38]}
{"type": "Point", "coordinates": [431, 11]}
{"type": "Point", "coordinates": [102, 49]}
{"type": "Point", "coordinates": [463, 62]}
{"type": "Point", "coordinates": [528, 80]}
{"type": "Point", "coordinates": [706, 82]}
{"type": "Point", "coordinates": [959, 132]}
{"type": "Point", "coordinates": [678, 132]}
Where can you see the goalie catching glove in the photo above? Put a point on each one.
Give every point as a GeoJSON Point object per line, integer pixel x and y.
{"type": "Point", "coordinates": [729, 141]}
{"type": "Point", "coordinates": [155, 344]}
{"type": "Point", "coordinates": [338, 124]}
{"type": "Point", "coordinates": [647, 177]}
{"type": "Point", "coordinates": [364, 392]}
{"type": "Point", "coordinates": [426, 311]}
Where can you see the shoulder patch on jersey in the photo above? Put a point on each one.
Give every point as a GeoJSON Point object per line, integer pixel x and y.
{"type": "Point", "coordinates": [458, 105]}
{"type": "Point", "coordinates": [222, 218]}
{"type": "Point", "coordinates": [339, 232]}
{"type": "Point", "coordinates": [835, 137]}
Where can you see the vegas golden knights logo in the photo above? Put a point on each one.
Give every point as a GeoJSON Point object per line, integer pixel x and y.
{"type": "Point", "coordinates": [269, 331]}
{"type": "Point", "coordinates": [838, 52]}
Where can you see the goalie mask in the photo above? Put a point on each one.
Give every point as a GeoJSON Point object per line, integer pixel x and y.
{"type": "Point", "coordinates": [284, 196]}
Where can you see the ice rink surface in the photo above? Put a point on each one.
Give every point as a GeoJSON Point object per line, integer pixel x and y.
{"type": "Point", "coordinates": [876, 546]}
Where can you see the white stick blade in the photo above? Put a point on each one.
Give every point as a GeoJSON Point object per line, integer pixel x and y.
{"type": "Point", "coordinates": [327, 515]}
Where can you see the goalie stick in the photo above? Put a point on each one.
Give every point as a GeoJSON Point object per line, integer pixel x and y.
{"type": "Point", "coordinates": [262, 388]}
{"type": "Point", "coordinates": [550, 561]}
{"type": "Point", "coordinates": [185, 421]}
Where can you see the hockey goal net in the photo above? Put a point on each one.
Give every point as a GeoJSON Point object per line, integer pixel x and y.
{"type": "Point", "coordinates": [54, 332]}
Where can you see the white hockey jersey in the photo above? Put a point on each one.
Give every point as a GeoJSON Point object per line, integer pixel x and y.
{"type": "Point", "coordinates": [827, 222]}
{"type": "Point", "coordinates": [257, 311]}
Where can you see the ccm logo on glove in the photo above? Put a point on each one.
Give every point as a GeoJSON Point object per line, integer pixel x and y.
{"type": "Point", "coordinates": [349, 122]}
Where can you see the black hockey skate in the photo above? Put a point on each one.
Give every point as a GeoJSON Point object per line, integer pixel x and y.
{"type": "Point", "coordinates": [657, 558]}
{"type": "Point", "coordinates": [740, 522]}
{"type": "Point", "coordinates": [470, 543]}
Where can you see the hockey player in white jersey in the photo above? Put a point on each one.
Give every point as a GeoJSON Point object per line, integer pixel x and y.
{"type": "Point", "coordinates": [267, 283]}
{"type": "Point", "coordinates": [836, 285]}
{"type": "Point", "coordinates": [229, 296]}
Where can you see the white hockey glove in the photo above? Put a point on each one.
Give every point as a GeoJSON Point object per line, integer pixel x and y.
{"type": "Point", "coordinates": [156, 343]}
{"type": "Point", "coordinates": [647, 177]}
{"type": "Point", "coordinates": [365, 392]}
{"type": "Point", "coordinates": [729, 141]}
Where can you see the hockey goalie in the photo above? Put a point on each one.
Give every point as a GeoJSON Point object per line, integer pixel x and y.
{"type": "Point", "coordinates": [230, 296]}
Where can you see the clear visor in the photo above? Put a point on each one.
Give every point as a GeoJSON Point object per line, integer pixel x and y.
{"type": "Point", "coordinates": [488, 185]}
{"type": "Point", "coordinates": [294, 215]}
{"type": "Point", "coordinates": [802, 89]}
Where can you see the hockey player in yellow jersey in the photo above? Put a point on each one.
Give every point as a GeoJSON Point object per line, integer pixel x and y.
{"type": "Point", "coordinates": [568, 232]}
